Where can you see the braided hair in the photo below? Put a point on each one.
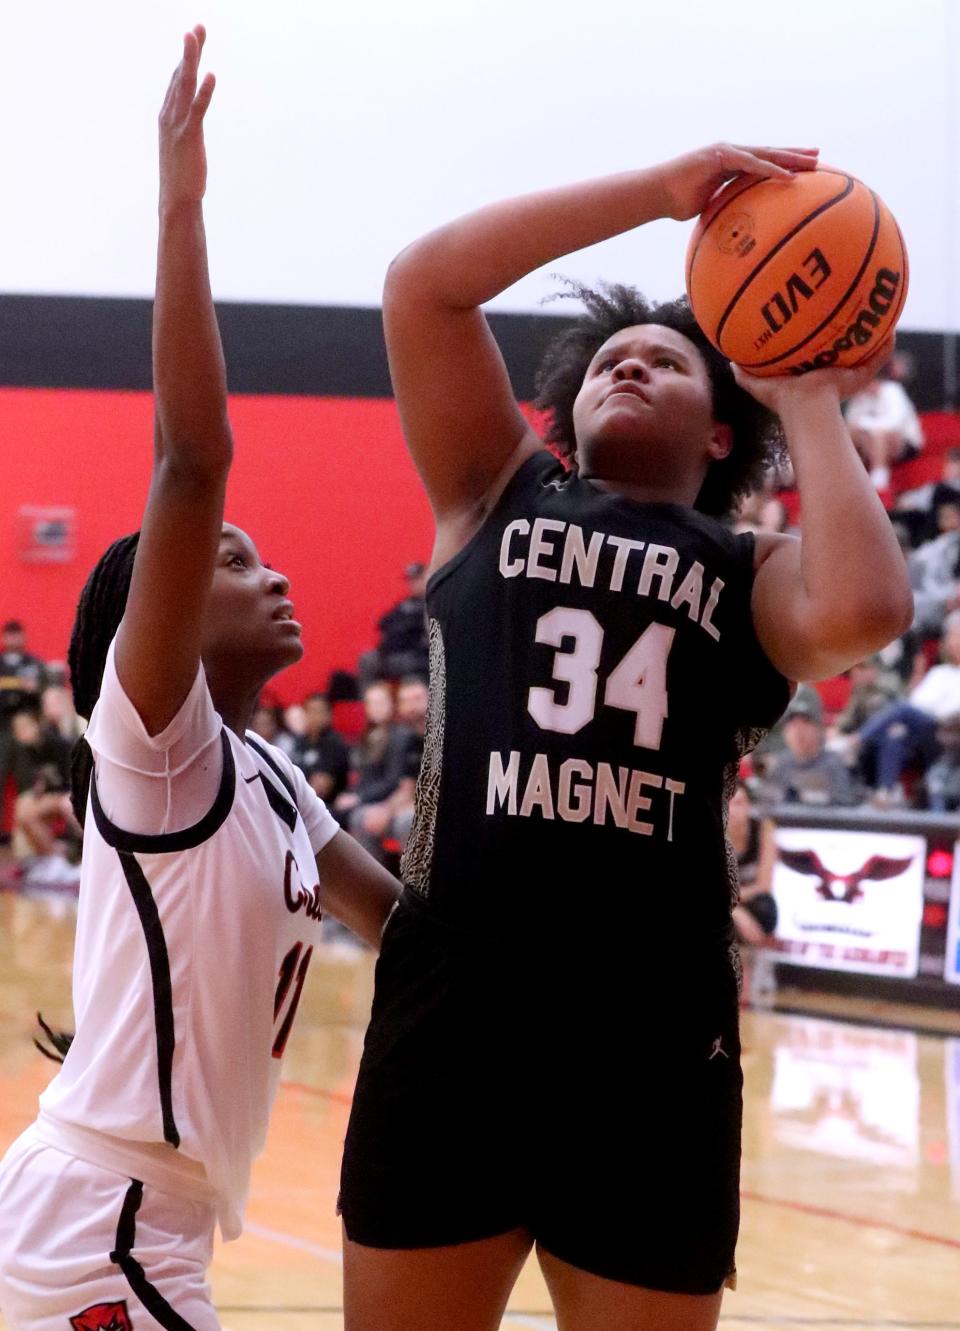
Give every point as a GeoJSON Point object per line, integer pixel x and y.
{"type": "Point", "coordinates": [99, 612]}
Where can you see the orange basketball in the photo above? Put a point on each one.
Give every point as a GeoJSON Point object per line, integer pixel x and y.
{"type": "Point", "coordinates": [786, 276]}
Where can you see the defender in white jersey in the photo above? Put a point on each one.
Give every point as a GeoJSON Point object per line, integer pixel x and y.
{"type": "Point", "coordinates": [207, 861]}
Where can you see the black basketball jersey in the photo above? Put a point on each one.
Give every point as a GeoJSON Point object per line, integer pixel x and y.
{"type": "Point", "coordinates": [595, 678]}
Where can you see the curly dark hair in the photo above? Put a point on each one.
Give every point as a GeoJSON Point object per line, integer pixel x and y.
{"type": "Point", "coordinates": [756, 430]}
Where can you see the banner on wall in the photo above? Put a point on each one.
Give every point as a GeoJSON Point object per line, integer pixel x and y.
{"type": "Point", "coordinates": [47, 535]}
{"type": "Point", "coordinates": [849, 901]}
{"type": "Point", "coordinates": [951, 961]}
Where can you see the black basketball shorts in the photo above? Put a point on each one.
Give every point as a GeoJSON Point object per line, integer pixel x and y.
{"type": "Point", "coordinates": [591, 1094]}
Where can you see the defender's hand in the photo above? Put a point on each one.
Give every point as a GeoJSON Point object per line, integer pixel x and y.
{"type": "Point", "coordinates": [689, 182]}
{"type": "Point", "coordinates": [183, 159]}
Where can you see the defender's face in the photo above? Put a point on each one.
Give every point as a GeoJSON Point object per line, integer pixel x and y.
{"type": "Point", "coordinates": [645, 408]}
{"type": "Point", "coordinates": [249, 617]}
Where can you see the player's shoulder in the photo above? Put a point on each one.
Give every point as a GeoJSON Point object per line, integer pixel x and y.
{"type": "Point", "coordinates": [740, 552]}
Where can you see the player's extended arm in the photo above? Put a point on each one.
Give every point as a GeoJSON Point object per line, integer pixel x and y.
{"type": "Point", "coordinates": [827, 600]}
{"type": "Point", "coordinates": [355, 888]}
{"type": "Point", "coordinates": [462, 424]}
{"type": "Point", "coordinates": [158, 646]}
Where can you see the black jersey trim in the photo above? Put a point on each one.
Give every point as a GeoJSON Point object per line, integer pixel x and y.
{"type": "Point", "coordinates": [274, 766]}
{"type": "Point", "coordinates": [166, 842]}
{"type": "Point", "coordinates": [148, 1294]}
{"type": "Point", "coordinates": [162, 987]}
{"type": "Point", "coordinates": [285, 811]}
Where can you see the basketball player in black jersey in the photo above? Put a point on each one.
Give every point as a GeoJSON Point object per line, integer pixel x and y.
{"type": "Point", "coordinates": [540, 1068]}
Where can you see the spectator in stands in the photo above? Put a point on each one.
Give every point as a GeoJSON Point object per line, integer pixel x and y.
{"type": "Point", "coordinates": [22, 679]}
{"type": "Point", "coordinates": [872, 689]}
{"type": "Point", "coordinates": [755, 915]}
{"type": "Point", "coordinates": [941, 783]}
{"type": "Point", "coordinates": [884, 426]}
{"type": "Point", "coordinates": [933, 569]}
{"type": "Point", "coordinates": [774, 743]}
{"type": "Point", "coordinates": [807, 773]}
{"type": "Point", "coordinates": [40, 766]}
{"type": "Point", "coordinates": [295, 721]}
{"type": "Point", "coordinates": [376, 760]}
{"type": "Point", "coordinates": [389, 820]}
{"type": "Point", "coordinates": [380, 805]}
{"type": "Point", "coordinates": [321, 752]}
{"type": "Point", "coordinates": [37, 751]}
{"type": "Point", "coordinates": [402, 649]}
{"type": "Point", "coordinates": [413, 697]}
{"type": "Point", "coordinates": [920, 507]}
{"type": "Point", "coordinates": [59, 714]}
{"type": "Point", "coordinates": [22, 675]}
{"type": "Point", "coordinates": [903, 736]}
{"type": "Point", "coordinates": [268, 723]}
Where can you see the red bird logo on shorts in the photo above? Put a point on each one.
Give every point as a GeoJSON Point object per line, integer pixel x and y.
{"type": "Point", "coordinates": [103, 1317]}
{"type": "Point", "coordinates": [875, 870]}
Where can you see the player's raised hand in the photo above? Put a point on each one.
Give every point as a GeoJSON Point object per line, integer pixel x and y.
{"type": "Point", "coordinates": [690, 181]}
{"type": "Point", "coordinates": [183, 158]}
{"type": "Point", "coordinates": [777, 392]}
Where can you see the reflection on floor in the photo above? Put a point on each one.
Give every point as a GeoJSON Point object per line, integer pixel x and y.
{"type": "Point", "coordinates": [851, 1174]}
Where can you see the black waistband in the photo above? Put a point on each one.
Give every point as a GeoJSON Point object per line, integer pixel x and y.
{"type": "Point", "coordinates": [660, 936]}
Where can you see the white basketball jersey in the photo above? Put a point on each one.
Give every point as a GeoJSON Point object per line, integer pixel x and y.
{"type": "Point", "coordinates": [191, 954]}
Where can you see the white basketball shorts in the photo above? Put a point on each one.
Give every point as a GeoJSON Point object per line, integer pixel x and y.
{"type": "Point", "coordinates": [85, 1249]}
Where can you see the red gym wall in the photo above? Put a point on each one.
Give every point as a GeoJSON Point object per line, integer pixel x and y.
{"type": "Point", "coordinates": [323, 485]}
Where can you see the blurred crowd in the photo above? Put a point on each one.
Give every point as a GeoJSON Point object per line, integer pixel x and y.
{"type": "Point", "coordinates": [888, 732]}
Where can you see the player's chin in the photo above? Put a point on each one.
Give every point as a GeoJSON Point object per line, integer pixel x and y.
{"type": "Point", "coordinates": [627, 430]}
{"type": "Point", "coordinates": [285, 647]}
{"type": "Point", "coordinates": [293, 650]}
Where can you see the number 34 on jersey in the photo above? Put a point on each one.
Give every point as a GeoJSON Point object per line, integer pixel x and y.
{"type": "Point", "coordinates": [578, 791]}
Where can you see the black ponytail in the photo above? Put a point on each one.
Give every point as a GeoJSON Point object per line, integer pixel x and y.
{"type": "Point", "coordinates": [99, 612]}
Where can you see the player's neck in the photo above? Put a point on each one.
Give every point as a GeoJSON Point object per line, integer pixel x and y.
{"type": "Point", "coordinates": [237, 718]}
{"type": "Point", "coordinates": [673, 492]}
{"type": "Point", "coordinates": [235, 702]}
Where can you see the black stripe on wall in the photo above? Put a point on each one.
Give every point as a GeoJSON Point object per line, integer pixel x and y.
{"type": "Point", "coordinates": [308, 350]}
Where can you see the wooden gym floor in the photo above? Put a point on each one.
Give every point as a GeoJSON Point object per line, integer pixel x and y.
{"type": "Point", "coordinates": [851, 1176]}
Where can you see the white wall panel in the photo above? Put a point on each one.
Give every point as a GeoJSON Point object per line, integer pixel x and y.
{"type": "Point", "coordinates": [341, 131]}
